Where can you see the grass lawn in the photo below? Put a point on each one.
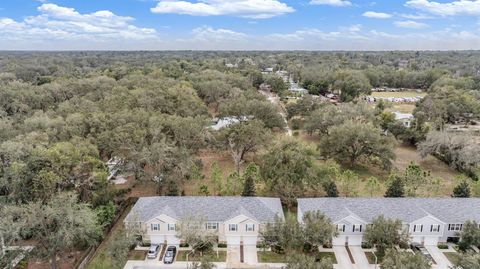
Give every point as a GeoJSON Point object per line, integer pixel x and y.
{"type": "Point", "coordinates": [402, 108]}
{"type": "Point", "coordinates": [398, 94]}
{"type": "Point", "coordinates": [327, 255]}
{"type": "Point", "coordinates": [137, 255]}
{"type": "Point", "coordinates": [371, 258]}
{"type": "Point", "coordinates": [451, 256]}
{"type": "Point", "coordinates": [270, 257]}
{"type": "Point", "coordinates": [212, 256]}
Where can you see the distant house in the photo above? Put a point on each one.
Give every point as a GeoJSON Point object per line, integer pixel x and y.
{"type": "Point", "coordinates": [235, 220]}
{"type": "Point", "coordinates": [428, 220]}
{"type": "Point", "coordinates": [405, 118]}
{"type": "Point", "coordinates": [226, 121]}
{"type": "Point", "coordinates": [265, 87]}
{"type": "Point", "coordinates": [267, 70]}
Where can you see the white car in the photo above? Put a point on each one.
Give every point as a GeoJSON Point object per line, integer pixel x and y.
{"type": "Point", "coordinates": [153, 251]}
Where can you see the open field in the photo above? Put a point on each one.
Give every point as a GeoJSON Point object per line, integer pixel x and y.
{"type": "Point", "coordinates": [402, 108]}
{"type": "Point", "coordinates": [404, 156]}
{"type": "Point", "coordinates": [398, 94]}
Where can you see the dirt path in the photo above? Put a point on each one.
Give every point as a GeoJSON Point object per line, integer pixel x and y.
{"type": "Point", "coordinates": [275, 100]}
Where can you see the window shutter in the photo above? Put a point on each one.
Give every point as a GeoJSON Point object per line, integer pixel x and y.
{"type": "Point", "coordinates": [353, 228]}
{"type": "Point", "coordinates": [414, 228]}
{"type": "Point", "coordinates": [360, 228]}
{"type": "Point", "coordinates": [421, 228]}
{"type": "Point", "coordinates": [344, 227]}
{"type": "Point", "coordinates": [431, 228]}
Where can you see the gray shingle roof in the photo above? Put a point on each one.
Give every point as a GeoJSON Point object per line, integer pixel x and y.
{"type": "Point", "coordinates": [448, 210]}
{"type": "Point", "coordinates": [212, 208]}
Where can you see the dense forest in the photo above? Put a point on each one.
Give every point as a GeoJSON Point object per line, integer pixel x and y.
{"type": "Point", "coordinates": [63, 115]}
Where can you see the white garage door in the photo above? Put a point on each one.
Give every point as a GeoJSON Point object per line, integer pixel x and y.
{"type": "Point", "coordinates": [172, 240]}
{"type": "Point", "coordinates": [160, 239]}
{"type": "Point", "coordinates": [339, 241]}
{"type": "Point", "coordinates": [157, 239]}
{"type": "Point", "coordinates": [233, 240]}
{"type": "Point", "coordinates": [249, 240]}
{"type": "Point", "coordinates": [355, 240]}
{"type": "Point", "coordinates": [431, 241]}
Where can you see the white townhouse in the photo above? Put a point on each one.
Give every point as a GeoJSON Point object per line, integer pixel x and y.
{"type": "Point", "coordinates": [428, 220]}
{"type": "Point", "coordinates": [235, 220]}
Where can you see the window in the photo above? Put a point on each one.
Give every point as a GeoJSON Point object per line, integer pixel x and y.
{"type": "Point", "coordinates": [232, 227]}
{"type": "Point", "coordinates": [172, 227]}
{"type": "Point", "coordinates": [250, 227]}
{"type": "Point", "coordinates": [211, 225]}
{"type": "Point", "coordinates": [155, 227]}
{"type": "Point", "coordinates": [435, 228]}
{"type": "Point", "coordinates": [417, 228]}
{"type": "Point", "coordinates": [455, 227]}
{"type": "Point", "coordinates": [357, 228]}
{"type": "Point", "coordinates": [341, 227]}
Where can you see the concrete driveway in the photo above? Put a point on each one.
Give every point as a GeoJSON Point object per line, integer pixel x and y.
{"type": "Point", "coordinates": [250, 254]}
{"type": "Point", "coordinates": [233, 255]}
{"type": "Point", "coordinates": [343, 260]}
{"type": "Point", "coordinates": [439, 257]}
{"type": "Point", "coordinates": [361, 261]}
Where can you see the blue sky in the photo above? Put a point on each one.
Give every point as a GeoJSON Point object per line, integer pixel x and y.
{"type": "Point", "coordinates": [239, 24]}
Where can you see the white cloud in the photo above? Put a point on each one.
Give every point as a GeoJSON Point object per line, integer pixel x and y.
{"type": "Point", "coordinates": [256, 9]}
{"type": "Point", "coordinates": [376, 15]}
{"type": "Point", "coordinates": [207, 33]}
{"type": "Point", "coordinates": [460, 7]}
{"type": "Point", "coordinates": [62, 24]}
{"type": "Point", "coordinates": [335, 3]}
{"type": "Point", "coordinates": [410, 24]}
{"type": "Point", "coordinates": [415, 16]}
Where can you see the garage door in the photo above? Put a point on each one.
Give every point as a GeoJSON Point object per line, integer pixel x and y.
{"type": "Point", "coordinates": [431, 241]}
{"type": "Point", "coordinates": [160, 239]}
{"type": "Point", "coordinates": [172, 240]}
{"type": "Point", "coordinates": [249, 240]}
{"type": "Point", "coordinates": [157, 239]}
{"type": "Point", "coordinates": [339, 241]}
{"type": "Point", "coordinates": [233, 240]}
{"type": "Point", "coordinates": [355, 240]}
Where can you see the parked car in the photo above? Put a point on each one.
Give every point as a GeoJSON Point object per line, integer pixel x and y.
{"type": "Point", "coordinates": [170, 254]}
{"type": "Point", "coordinates": [419, 248]}
{"type": "Point", "coordinates": [153, 251]}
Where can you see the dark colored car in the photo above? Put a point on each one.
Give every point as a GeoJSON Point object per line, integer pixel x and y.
{"type": "Point", "coordinates": [419, 248]}
{"type": "Point", "coordinates": [170, 255]}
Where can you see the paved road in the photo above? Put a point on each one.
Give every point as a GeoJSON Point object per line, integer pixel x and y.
{"type": "Point", "coordinates": [439, 257]}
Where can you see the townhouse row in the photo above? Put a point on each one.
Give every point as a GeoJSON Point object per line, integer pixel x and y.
{"type": "Point", "coordinates": [238, 220]}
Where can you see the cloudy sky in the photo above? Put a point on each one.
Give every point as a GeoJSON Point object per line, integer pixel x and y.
{"type": "Point", "coordinates": [239, 24]}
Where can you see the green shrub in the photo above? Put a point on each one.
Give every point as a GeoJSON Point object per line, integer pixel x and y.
{"type": "Point", "coordinates": [296, 124]}
{"type": "Point", "coordinates": [442, 246]}
{"type": "Point", "coordinates": [327, 245]}
{"type": "Point", "coordinates": [184, 245]}
{"type": "Point", "coordinates": [296, 133]}
{"type": "Point", "coordinates": [261, 245]}
{"type": "Point", "coordinates": [222, 245]}
{"type": "Point", "coordinates": [366, 245]}
{"type": "Point", "coordinates": [404, 245]}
